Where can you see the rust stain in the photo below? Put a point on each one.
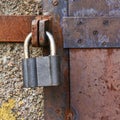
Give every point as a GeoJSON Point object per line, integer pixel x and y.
{"type": "Point", "coordinates": [69, 115]}
{"type": "Point", "coordinates": [110, 52]}
{"type": "Point", "coordinates": [39, 29]}
{"type": "Point", "coordinates": [95, 84]}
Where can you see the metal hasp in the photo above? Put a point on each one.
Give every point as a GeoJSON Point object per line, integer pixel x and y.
{"type": "Point", "coordinates": [40, 25]}
{"type": "Point", "coordinates": [16, 28]}
{"type": "Point", "coordinates": [41, 71]}
{"type": "Point", "coordinates": [99, 32]}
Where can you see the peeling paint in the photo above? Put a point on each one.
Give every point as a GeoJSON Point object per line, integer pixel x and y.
{"type": "Point", "coordinates": [113, 3]}
{"type": "Point", "coordinates": [103, 38]}
{"type": "Point", "coordinates": [86, 12]}
{"type": "Point", "coordinates": [114, 7]}
{"type": "Point", "coordinates": [114, 12]}
{"type": "Point", "coordinates": [64, 11]}
{"type": "Point", "coordinates": [100, 8]}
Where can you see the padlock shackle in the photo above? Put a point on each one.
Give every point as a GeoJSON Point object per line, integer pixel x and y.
{"type": "Point", "coordinates": [52, 44]}
{"type": "Point", "coordinates": [28, 40]}
{"type": "Point", "coordinates": [26, 45]}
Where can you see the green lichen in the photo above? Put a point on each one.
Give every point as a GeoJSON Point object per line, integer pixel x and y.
{"type": "Point", "coordinates": [6, 110]}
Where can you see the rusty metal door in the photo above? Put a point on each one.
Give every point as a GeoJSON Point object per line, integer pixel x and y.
{"type": "Point", "coordinates": [92, 34]}
{"type": "Point", "coordinates": [91, 38]}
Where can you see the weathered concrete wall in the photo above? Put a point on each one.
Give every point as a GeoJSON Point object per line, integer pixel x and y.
{"type": "Point", "coordinates": [17, 102]}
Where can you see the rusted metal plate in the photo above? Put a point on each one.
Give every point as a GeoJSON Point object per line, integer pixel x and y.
{"type": "Point", "coordinates": [93, 8]}
{"type": "Point", "coordinates": [57, 99]}
{"type": "Point", "coordinates": [95, 84]}
{"type": "Point", "coordinates": [14, 28]}
{"type": "Point", "coordinates": [100, 32]}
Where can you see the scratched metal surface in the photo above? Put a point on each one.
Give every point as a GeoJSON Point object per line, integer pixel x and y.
{"type": "Point", "coordinates": [100, 32]}
{"type": "Point", "coordinates": [92, 24]}
{"type": "Point", "coordinates": [60, 10]}
{"type": "Point", "coordinates": [95, 84]}
{"type": "Point", "coordinates": [93, 8]}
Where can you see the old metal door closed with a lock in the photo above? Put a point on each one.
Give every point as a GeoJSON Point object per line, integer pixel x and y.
{"type": "Point", "coordinates": [41, 71]}
{"type": "Point", "coordinates": [87, 35]}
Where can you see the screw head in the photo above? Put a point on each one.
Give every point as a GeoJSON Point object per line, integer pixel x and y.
{"type": "Point", "coordinates": [106, 22]}
{"type": "Point", "coordinates": [79, 41]}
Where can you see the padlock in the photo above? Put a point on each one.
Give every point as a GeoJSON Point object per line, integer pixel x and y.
{"type": "Point", "coordinates": [41, 71]}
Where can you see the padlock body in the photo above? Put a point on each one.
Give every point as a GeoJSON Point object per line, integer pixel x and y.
{"type": "Point", "coordinates": [29, 72]}
{"type": "Point", "coordinates": [48, 70]}
{"type": "Point", "coordinates": [41, 71]}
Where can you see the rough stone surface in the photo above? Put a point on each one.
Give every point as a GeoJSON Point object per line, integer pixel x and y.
{"type": "Point", "coordinates": [28, 102]}
{"type": "Point", "coordinates": [20, 7]}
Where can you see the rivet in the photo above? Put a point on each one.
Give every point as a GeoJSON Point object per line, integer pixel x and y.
{"type": "Point", "coordinates": [79, 41]}
{"type": "Point", "coordinates": [95, 32]}
{"type": "Point", "coordinates": [55, 2]}
{"type": "Point", "coordinates": [79, 23]}
{"type": "Point", "coordinates": [104, 43]}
